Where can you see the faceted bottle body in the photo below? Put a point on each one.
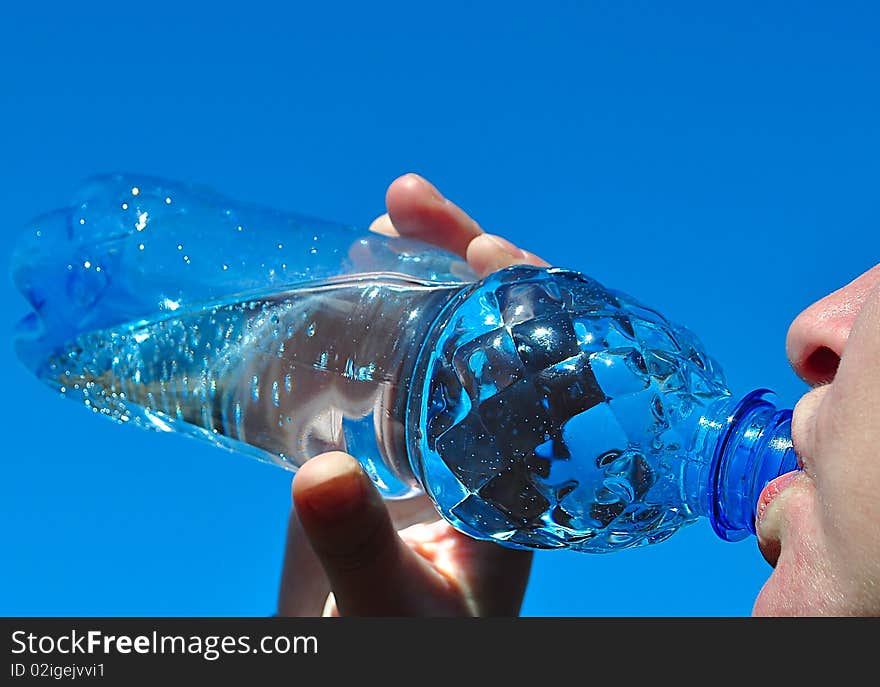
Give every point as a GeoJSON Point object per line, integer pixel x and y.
{"type": "Point", "coordinates": [556, 413]}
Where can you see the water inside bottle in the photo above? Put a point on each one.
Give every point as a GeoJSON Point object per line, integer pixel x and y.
{"type": "Point", "coordinates": [282, 377]}
{"type": "Point", "coordinates": [168, 305]}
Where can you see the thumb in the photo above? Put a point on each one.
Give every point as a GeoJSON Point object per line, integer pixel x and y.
{"type": "Point", "coordinates": [371, 570]}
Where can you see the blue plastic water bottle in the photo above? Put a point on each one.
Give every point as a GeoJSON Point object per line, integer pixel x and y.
{"type": "Point", "coordinates": [535, 407]}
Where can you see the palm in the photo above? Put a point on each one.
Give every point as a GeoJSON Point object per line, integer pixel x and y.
{"type": "Point", "coordinates": [460, 576]}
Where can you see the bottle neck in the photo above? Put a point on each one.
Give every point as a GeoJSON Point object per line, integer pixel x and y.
{"type": "Point", "coordinates": [745, 445]}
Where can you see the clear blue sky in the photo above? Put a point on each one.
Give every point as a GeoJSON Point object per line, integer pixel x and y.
{"type": "Point", "coordinates": [719, 163]}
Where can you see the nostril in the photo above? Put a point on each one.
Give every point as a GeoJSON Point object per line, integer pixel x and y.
{"type": "Point", "coordinates": [821, 365]}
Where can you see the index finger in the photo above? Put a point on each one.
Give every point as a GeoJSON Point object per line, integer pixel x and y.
{"type": "Point", "coordinates": [417, 210]}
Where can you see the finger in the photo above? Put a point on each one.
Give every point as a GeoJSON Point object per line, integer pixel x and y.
{"type": "Point", "coordinates": [330, 609]}
{"type": "Point", "coordinates": [488, 253]}
{"type": "Point", "coordinates": [492, 578]}
{"type": "Point", "coordinates": [372, 572]}
{"type": "Point", "coordinates": [495, 576]}
{"type": "Point", "coordinates": [411, 511]}
{"type": "Point", "coordinates": [416, 209]}
{"type": "Point", "coordinates": [383, 225]}
{"type": "Point", "coordinates": [304, 585]}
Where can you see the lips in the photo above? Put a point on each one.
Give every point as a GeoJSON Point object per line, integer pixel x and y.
{"type": "Point", "coordinates": [772, 490]}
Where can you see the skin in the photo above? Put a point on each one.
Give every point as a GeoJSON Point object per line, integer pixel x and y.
{"type": "Point", "coordinates": [821, 530]}
{"type": "Point", "coordinates": [819, 527]}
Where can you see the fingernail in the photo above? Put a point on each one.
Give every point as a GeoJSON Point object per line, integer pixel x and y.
{"type": "Point", "coordinates": [383, 225]}
{"type": "Point", "coordinates": [505, 245]}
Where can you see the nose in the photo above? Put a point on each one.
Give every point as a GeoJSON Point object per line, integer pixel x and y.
{"type": "Point", "coordinates": [818, 335]}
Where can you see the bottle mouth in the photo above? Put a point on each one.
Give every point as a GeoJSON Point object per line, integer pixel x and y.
{"type": "Point", "coordinates": [754, 448]}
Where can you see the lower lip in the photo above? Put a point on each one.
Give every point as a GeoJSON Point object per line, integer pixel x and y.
{"type": "Point", "coordinates": [773, 489]}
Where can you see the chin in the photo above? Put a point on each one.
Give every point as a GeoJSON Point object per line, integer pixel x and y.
{"type": "Point", "coordinates": [779, 598]}
{"type": "Point", "coordinates": [792, 541]}
{"type": "Point", "coordinates": [803, 582]}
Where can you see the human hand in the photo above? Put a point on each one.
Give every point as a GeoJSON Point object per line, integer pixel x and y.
{"type": "Point", "coordinates": [342, 536]}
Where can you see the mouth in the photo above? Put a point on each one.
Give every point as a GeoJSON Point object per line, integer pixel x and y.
{"type": "Point", "coordinates": [792, 540]}
{"type": "Point", "coordinates": [773, 489]}
{"type": "Point", "coordinates": [766, 520]}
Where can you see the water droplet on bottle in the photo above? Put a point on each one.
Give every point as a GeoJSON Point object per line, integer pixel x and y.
{"type": "Point", "coordinates": [255, 388]}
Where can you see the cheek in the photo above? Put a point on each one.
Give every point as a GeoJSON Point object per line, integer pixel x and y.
{"type": "Point", "coordinates": [846, 464]}
{"type": "Point", "coordinates": [852, 528]}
